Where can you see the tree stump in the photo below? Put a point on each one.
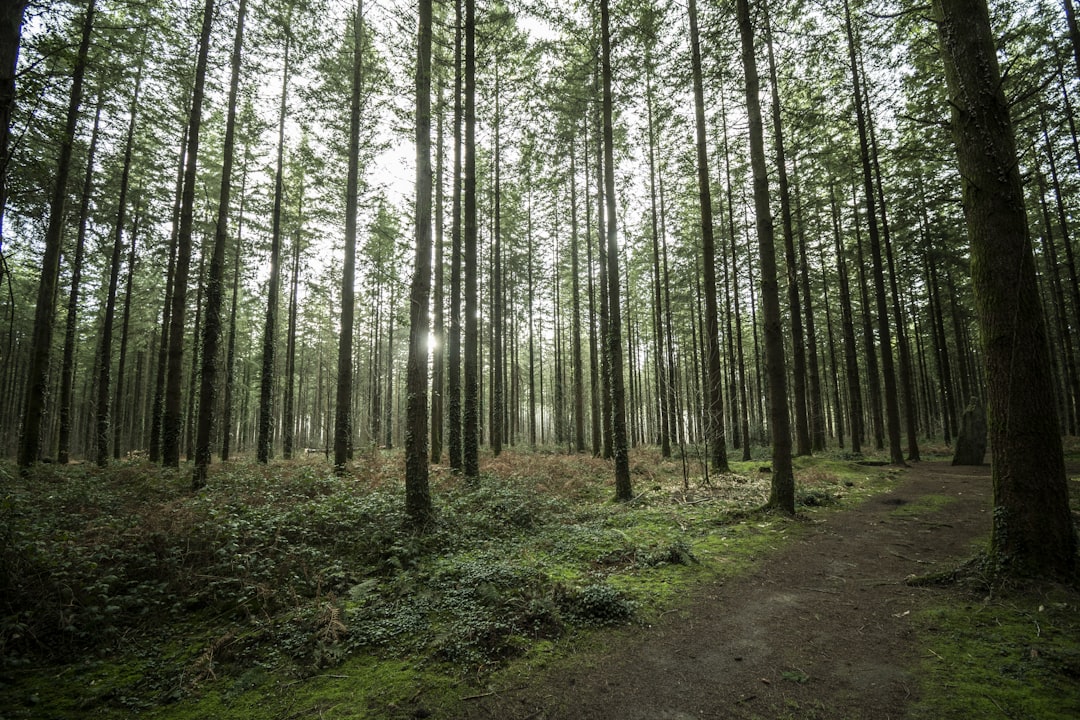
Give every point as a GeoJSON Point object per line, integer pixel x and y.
{"type": "Point", "coordinates": [971, 440]}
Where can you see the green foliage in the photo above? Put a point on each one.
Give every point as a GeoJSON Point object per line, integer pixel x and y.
{"type": "Point", "coordinates": [294, 572]}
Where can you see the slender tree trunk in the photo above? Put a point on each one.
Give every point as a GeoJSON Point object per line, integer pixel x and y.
{"type": "Point", "coordinates": [782, 494]}
{"type": "Point", "coordinates": [211, 337]}
{"type": "Point", "coordinates": [658, 300]}
{"type": "Point", "coordinates": [497, 409]}
{"type": "Point", "coordinates": [438, 380]}
{"type": "Point", "coordinates": [266, 385]}
{"type": "Point", "coordinates": [470, 442]}
{"type": "Point", "coordinates": [67, 374]}
{"type": "Point", "coordinates": [717, 440]}
{"type": "Point", "coordinates": [193, 374]}
{"type": "Point", "coordinates": [289, 402]}
{"type": "Point", "coordinates": [816, 409]}
{"type": "Point", "coordinates": [838, 411]}
{"type": "Point", "coordinates": [37, 382]}
{"type": "Point", "coordinates": [173, 415]}
{"type": "Point", "coordinates": [230, 356]}
{"type": "Point", "coordinates": [417, 494]}
{"type": "Point", "coordinates": [453, 408]}
{"type": "Point", "coordinates": [575, 272]}
{"type": "Point", "coordinates": [1033, 530]}
{"type": "Point", "coordinates": [892, 404]}
{"type": "Point", "coordinates": [343, 407]}
{"type": "Point", "coordinates": [623, 488]}
{"type": "Point", "coordinates": [125, 324]}
{"type": "Point", "coordinates": [594, 368]}
{"type": "Point", "coordinates": [802, 424]}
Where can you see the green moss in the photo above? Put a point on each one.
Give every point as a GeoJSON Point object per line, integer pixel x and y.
{"type": "Point", "coordinates": [1014, 657]}
{"type": "Point", "coordinates": [925, 505]}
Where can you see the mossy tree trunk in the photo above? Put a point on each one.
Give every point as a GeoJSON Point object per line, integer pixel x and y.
{"type": "Point", "coordinates": [1033, 531]}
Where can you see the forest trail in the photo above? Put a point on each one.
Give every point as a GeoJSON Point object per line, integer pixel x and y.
{"type": "Point", "coordinates": [820, 629]}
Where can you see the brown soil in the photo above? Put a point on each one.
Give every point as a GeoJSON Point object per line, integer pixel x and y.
{"type": "Point", "coordinates": [820, 629]}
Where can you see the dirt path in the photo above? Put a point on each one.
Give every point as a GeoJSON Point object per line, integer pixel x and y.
{"type": "Point", "coordinates": [821, 629]}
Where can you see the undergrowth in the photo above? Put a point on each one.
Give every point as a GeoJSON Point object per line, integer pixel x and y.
{"type": "Point", "coordinates": [148, 597]}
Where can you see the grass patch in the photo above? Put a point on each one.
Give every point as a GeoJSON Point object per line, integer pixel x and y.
{"type": "Point", "coordinates": [924, 505]}
{"type": "Point", "coordinates": [284, 591]}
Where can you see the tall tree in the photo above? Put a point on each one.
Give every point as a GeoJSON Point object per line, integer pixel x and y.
{"type": "Point", "coordinates": [173, 416]}
{"type": "Point", "coordinates": [708, 253]}
{"type": "Point", "coordinates": [623, 488]}
{"type": "Point", "coordinates": [11, 20]}
{"type": "Point", "coordinates": [105, 348]}
{"type": "Point", "coordinates": [37, 382]}
{"type": "Point", "coordinates": [211, 336]}
{"type": "Point", "coordinates": [343, 406]}
{"type": "Point", "coordinates": [470, 430]}
{"type": "Point", "coordinates": [892, 403]}
{"type": "Point", "coordinates": [417, 493]}
{"type": "Point", "coordinates": [782, 494]}
{"type": "Point", "coordinates": [67, 373]}
{"type": "Point", "coordinates": [1033, 531]}
{"type": "Point", "coordinates": [266, 385]}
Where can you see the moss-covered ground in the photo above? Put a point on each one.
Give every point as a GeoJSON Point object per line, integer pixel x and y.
{"type": "Point", "coordinates": [1001, 650]}
{"type": "Point", "coordinates": [288, 592]}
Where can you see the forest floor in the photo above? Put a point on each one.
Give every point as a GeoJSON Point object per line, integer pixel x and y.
{"type": "Point", "coordinates": [287, 592]}
{"type": "Point", "coordinates": [826, 627]}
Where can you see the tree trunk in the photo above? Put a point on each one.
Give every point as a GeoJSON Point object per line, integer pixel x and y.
{"type": "Point", "coordinates": [717, 440]}
{"type": "Point", "coordinates": [470, 441]}
{"type": "Point", "coordinates": [453, 350]}
{"type": "Point", "coordinates": [343, 406]}
{"type": "Point", "coordinates": [575, 272]}
{"type": "Point", "coordinates": [230, 353]}
{"type": "Point", "coordinates": [1033, 532]}
{"type": "Point", "coordinates": [623, 488]}
{"type": "Point", "coordinates": [211, 337]}
{"type": "Point", "coordinates": [417, 494]}
{"type": "Point", "coordinates": [892, 403]}
{"type": "Point", "coordinates": [67, 375]}
{"type": "Point", "coordinates": [288, 420]}
{"type": "Point", "coordinates": [782, 494]}
{"type": "Point", "coordinates": [125, 324]}
{"type": "Point", "coordinates": [266, 385]}
{"type": "Point", "coordinates": [438, 380]}
{"type": "Point", "coordinates": [798, 346]}
{"type": "Point", "coordinates": [11, 20]}
{"type": "Point", "coordinates": [173, 415]}
{"type": "Point", "coordinates": [37, 379]}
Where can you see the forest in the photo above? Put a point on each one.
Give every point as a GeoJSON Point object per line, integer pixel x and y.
{"type": "Point", "coordinates": [312, 309]}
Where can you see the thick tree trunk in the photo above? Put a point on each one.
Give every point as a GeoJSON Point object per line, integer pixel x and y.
{"type": "Point", "coordinates": [11, 20]}
{"type": "Point", "coordinates": [1033, 531]}
{"type": "Point", "coordinates": [37, 379]}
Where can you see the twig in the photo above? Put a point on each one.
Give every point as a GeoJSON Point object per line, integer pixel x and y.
{"type": "Point", "coordinates": [998, 706]}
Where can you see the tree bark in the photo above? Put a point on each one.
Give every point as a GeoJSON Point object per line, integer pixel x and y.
{"type": "Point", "coordinates": [717, 438]}
{"type": "Point", "coordinates": [173, 415]}
{"type": "Point", "coordinates": [782, 493]}
{"type": "Point", "coordinates": [470, 440]}
{"type": "Point", "coordinates": [37, 382]}
{"type": "Point", "coordinates": [211, 337]}
{"type": "Point", "coordinates": [623, 489]}
{"type": "Point", "coordinates": [266, 385]}
{"type": "Point", "coordinates": [67, 374]}
{"type": "Point", "coordinates": [417, 494]}
{"type": "Point", "coordinates": [1033, 532]}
